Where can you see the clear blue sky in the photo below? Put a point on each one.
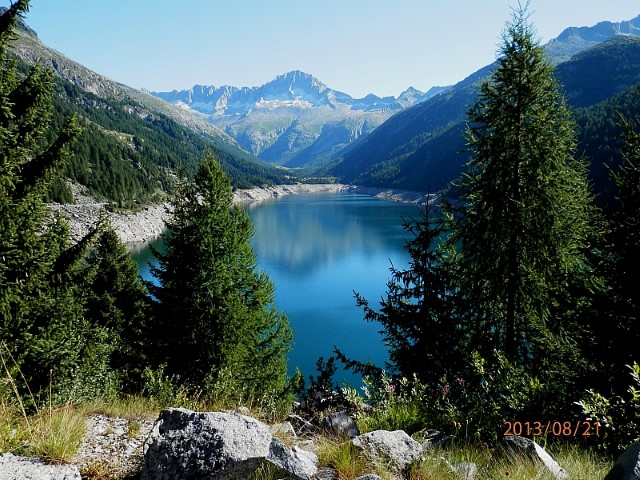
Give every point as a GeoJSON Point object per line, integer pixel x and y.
{"type": "Point", "coordinates": [355, 46]}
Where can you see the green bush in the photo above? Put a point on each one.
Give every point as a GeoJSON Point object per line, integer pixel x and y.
{"type": "Point", "coordinates": [397, 405]}
{"type": "Point", "coordinates": [618, 419]}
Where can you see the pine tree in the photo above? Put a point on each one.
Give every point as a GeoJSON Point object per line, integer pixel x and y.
{"type": "Point", "coordinates": [418, 314]}
{"type": "Point", "coordinates": [524, 227]}
{"type": "Point", "coordinates": [622, 326]}
{"type": "Point", "coordinates": [118, 302]}
{"type": "Point", "coordinates": [41, 311]}
{"type": "Point", "coordinates": [216, 317]}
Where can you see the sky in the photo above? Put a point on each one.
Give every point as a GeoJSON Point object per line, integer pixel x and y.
{"type": "Point", "coordinates": [354, 46]}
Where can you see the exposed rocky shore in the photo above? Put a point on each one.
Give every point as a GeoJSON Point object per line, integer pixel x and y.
{"type": "Point", "coordinates": [148, 223]}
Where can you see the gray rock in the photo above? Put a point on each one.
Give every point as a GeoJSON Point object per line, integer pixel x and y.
{"type": "Point", "coordinates": [369, 476]}
{"type": "Point", "coordinates": [395, 450]}
{"type": "Point", "coordinates": [627, 466]}
{"type": "Point", "coordinates": [227, 446]}
{"type": "Point", "coordinates": [530, 449]}
{"type": "Point", "coordinates": [341, 424]}
{"type": "Point", "coordinates": [327, 473]}
{"type": "Point", "coordinates": [24, 468]}
{"type": "Point", "coordinates": [435, 439]}
{"type": "Point", "coordinates": [298, 463]}
{"type": "Point", "coordinates": [465, 470]}
{"type": "Point", "coordinates": [283, 429]}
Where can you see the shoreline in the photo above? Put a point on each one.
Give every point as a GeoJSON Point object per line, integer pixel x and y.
{"type": "Point", "coordinates": [136, 228]}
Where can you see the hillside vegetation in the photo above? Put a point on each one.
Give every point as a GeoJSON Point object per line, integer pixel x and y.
{"type": "Point", "coordinates": [423, 148]}
{"type": "Point", "coordinates": [132, 144]}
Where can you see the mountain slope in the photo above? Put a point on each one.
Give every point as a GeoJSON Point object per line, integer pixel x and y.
{"type": "Point", "coordinates": [419, 148]}
{"type": "Point", "coordinates": [132, 142]}
{"type": "Point", "coordinates": [293, 120]}
{"type": "Point", "coordinates": [577, 39]}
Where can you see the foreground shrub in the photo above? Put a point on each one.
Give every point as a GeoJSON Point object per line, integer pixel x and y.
{"type": "Point", "coordinates": [618, 418]}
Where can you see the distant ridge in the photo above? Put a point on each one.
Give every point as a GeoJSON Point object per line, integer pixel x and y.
{"type": "Point", "coordinates": [573, 40]}
{"type": "Point", "coordinates": [132, 142]}
{"type": "Point", "coordinates": [294, 119]}
{"type": "Point", "coordinates": [422, 148]}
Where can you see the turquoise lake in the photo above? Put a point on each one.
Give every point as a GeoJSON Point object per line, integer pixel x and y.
{"type": "Point", "coordinates": [318, 249]}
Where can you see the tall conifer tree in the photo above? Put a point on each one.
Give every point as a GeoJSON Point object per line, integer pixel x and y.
{"type": "Point", "coordinates": [421, 325]}
{"type": "Point", "coordinates": [622, 327]}
{"type": "Point", "coordinates": [118, 302]}
{"type": "Point", "coordinates": [41, 317]}
{"type": "Point", "coordinates": [215, 308]}
{"type": "Point", "coordinates": [525, 222]}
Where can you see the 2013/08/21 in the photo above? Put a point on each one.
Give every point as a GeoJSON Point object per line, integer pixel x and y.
{"type": "Point", "coordinates": [559, 429]}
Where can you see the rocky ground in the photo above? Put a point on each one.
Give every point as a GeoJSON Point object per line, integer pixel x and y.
{"type": "Point", "coordinates": [185, 444]}
{"type": "Point", "coordinates": [148, 223]}
{"type": "Point", "coordinates": [112, 446]}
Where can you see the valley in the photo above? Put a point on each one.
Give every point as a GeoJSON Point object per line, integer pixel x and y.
{"type": "Point", "coordinates": [412, 142]}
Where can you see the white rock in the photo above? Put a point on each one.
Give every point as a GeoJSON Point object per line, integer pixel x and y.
{"type": "Point", "coordinates": [24, 468]}
{"type": "Point", "coordinates": [395, 450]}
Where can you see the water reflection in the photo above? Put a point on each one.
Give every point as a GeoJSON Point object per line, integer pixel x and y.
{"type": "Point", "coordinates": [304, 233]}
{"type": "Point", "coordinates": [318, 249]}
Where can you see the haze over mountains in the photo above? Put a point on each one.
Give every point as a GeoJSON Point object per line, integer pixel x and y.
{"type": "Point", "coordinates": [294, 119]}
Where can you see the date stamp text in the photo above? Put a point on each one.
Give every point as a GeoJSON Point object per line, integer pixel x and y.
{"type": "Point", "coordinates": [582, 428]}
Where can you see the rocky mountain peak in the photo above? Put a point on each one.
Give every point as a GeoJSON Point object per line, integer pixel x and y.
{"type": "Point", "coordinates": [292, 119]}
{"type": "Point", "coordinates": [574, 40]}
{"type": "Point", "coordinates": [602, 30]}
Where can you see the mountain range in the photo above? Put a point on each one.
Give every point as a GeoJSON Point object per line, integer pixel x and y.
{"type": "Point", "coordinates": [133, 141]}
{"type": "Point", "coordinates": [294, 119]}
{"type": "Point", "coordinates": [421, 148]}
{"type": "Point", "coordinates": [412, 141]}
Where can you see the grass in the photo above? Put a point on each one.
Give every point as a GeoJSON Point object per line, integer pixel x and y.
{"type": "Point", "coordinates": [56, 435]}
{"type": "Point", "coordinates": [130, 407]}
{"type": "Point", "coordinates": [582, 464]}
{"type": "Point", "coordinates": [399, 415]}
{"type": "Point", "coordinates": [267, 471]}
{"type": "Point", "coordinates": [578, 463]}
{"type": "Point", "coordinates": [346, 459]}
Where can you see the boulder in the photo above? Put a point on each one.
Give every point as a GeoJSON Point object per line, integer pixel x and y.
{"type": "Point", "coordinates": [194, 445]}
{"type": "Point", "coordinates": [369, 476]}
{"type": "Point", "coordinates": [283, 430]}
{"type": "Point", "coordinates": [327, 473]}
{"type": "Point", "coordinates": [296, 462]}
{"type": "Point", "coordinates": [341, 424]}
{"type": "Point", "coordinates": [24, 468]}
{"type": "Point", "coordinates": [627, 466]}
{"type": "Point", "coordinates": [527, 448]}
{"type": "Point", "coordinates": [395, 450]}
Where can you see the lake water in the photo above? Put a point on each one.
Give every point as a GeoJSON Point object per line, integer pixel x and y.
{"type": "Point", "coordinates": [318, 249]}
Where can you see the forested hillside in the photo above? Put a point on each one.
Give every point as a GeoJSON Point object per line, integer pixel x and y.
{"type": "Point", "coordinates": [423, 147]}
{"type": "Point", "coordinates": [76, 319]}
{"type": "Point", "coordinates": [131, 143]}
{"type": "Point", "coordinates": [128, 155]}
